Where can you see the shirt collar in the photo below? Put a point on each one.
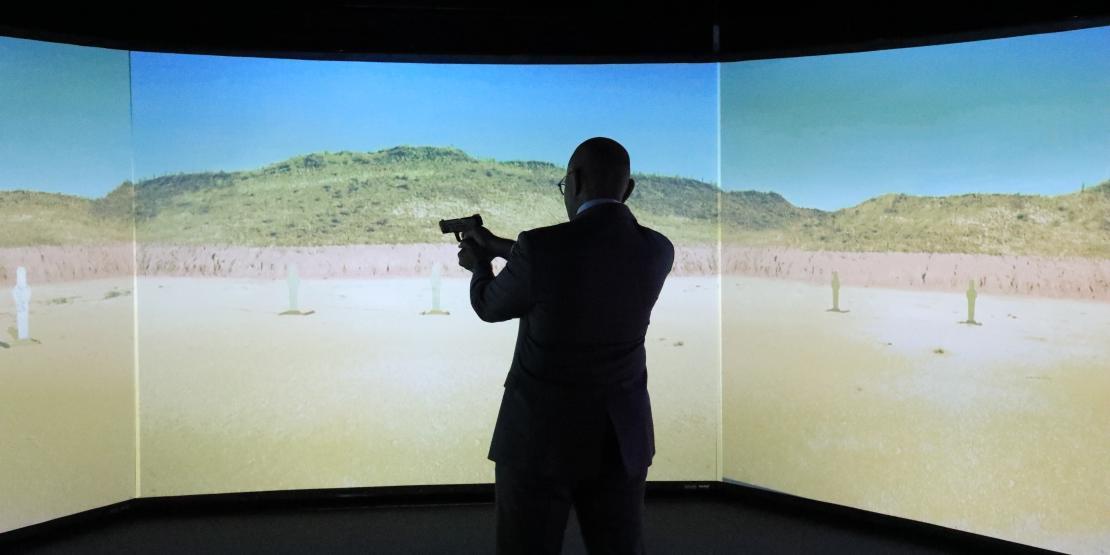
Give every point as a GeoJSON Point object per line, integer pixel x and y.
{"type": "Point", "coordinates": [594, 202]}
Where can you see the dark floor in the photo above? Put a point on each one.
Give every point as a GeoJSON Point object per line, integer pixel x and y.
{"type": "Point", "coordinates": [685, 526]}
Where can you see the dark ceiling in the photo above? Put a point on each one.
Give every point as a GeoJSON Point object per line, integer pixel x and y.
{"type": "Point", "coordinates": [536, 31]}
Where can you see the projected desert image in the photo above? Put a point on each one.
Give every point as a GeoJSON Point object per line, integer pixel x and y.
{"type": "Point", "coordinates": [67, 320]}
{"type": "Point", "coordinates": [257, 295]}
{"type": "Point", "coordinates": [341, 365]}
{"type": "Point", "coordinates": [916, 316]}
{"type": "Point", "coordinates": [302, 321]}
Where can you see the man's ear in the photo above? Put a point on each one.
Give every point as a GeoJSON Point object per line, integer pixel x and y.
{"type": "Point", "coordinates": [628, 191]}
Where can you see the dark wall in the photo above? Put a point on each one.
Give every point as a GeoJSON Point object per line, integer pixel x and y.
{"type": "Point", "coordinates": [534, 32]}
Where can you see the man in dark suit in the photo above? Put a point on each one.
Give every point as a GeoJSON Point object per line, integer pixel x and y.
{"type": "Point", "coordinates": [575, 423]}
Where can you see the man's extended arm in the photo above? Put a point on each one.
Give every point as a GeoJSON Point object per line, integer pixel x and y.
{"type": "Point", "coordinates": [509, 295]}
{"type": "Point", "coordinates": [501, 247]}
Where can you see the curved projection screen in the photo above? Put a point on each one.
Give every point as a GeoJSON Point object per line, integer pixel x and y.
{"type": "Point", "coordinates": [303, 323]}
{"type": "Point", "coordinates": [67, 318]}
{"type": "Point", "coordinates": [917, 311]}
{"type": "Point", "coordinates": [890, 287]}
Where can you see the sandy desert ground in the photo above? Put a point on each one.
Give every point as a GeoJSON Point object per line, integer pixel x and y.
{"type": "Point", "coordinates": [1001, 429]}
{"type": "Point", "coordinates": [1036, 276]}
{"type": "Point", "coordinates": [67, 416]}
{"type": "Point", "coordinates": [1077, 278]}
{"type": "Point", "coordinates": [66, 264]}
{"type": "Point", "coordinates": [367, 391]}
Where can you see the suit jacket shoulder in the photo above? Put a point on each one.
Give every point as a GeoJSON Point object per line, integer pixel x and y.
{"type": "Point", "coordinates": [662, 239]}
{"type": "Point", "coordinates": [544, 235]}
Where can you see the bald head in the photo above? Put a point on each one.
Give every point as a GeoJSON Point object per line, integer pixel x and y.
{"type": "Point", "coordinates": [603, 165]}
{"type": "Point", "coordinates": [599, 168]}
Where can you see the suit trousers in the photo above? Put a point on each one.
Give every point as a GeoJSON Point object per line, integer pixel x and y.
{"type": "Point", "coordinates": [532, 509]}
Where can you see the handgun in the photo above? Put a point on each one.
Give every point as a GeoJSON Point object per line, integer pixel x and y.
{"type": "Point", "coordinates": [460, 225]}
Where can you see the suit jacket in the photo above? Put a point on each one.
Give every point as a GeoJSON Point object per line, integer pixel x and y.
{"type": "Point", "coordinates": [583, 291]}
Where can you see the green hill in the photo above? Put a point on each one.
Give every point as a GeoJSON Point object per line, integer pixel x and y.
{"type": "Point", "coordinates": [34, 218]}
{"type": "Point", "coordinates": [390, 196]}
{"type": "Point", "coordinates": [1076, 224]}
{"type": "Point", "coordinates": [399, 194]}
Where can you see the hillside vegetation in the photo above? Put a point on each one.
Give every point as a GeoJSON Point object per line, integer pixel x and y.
{"type": "Point", "coordinates": [391, 196]}
{"type": "Point", "coordinates": [34, 218]}
{"type": "Point", "coordinates": [398, 195]}
{"type": "Point", "coordinates": [1076, 224]}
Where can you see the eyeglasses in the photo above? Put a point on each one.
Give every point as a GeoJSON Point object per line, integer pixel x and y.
{"type": "Point", "coordinates": [563, 182]}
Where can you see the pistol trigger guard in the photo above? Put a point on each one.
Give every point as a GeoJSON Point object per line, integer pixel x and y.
{"type": "Point", "coordinates": [458, 237]}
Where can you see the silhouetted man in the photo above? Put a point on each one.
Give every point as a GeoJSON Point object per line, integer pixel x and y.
{"type": "Point", "coordinates": [575, 423]}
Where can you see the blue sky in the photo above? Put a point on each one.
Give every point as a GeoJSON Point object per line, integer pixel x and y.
{"type": "Point", "coordinates": [65, 124]}
{"type": "Point", "coordinates": [1027, 114]}
{"type": "Point", "coordinates": [196, 113]}
{"type": "Point", "coordinates": [64, 120]}
{"type": "Point", "coordinates": [1020, 115]}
